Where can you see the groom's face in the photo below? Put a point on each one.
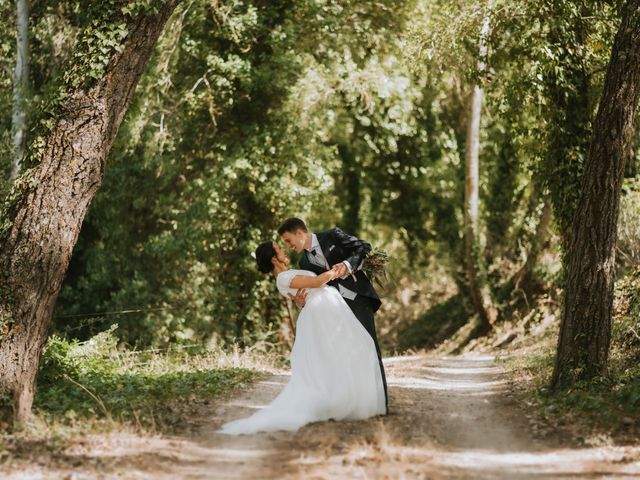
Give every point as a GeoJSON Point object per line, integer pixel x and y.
{"type": "Point", "coordinates": [295, 240]}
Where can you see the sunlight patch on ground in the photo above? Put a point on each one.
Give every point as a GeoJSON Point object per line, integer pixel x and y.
{"type": "Point", "coordinates": [240, 453]}
{"type": "Point", "coordinates": [439, 384]}
{"type": "Point", "coordinates": [564, 462]}
{"type": "Point", "coordinates": [461, 370]}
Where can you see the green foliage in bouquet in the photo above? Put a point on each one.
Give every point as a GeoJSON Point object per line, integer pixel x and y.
{"type": "Point", "coordinates": [375, 266]}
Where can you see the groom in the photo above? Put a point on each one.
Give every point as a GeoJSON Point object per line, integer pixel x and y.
{"type": "Point", "coordinates": [344, 253]}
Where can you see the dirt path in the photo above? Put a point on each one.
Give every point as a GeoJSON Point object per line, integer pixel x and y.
{"type": "Point", "coordinates": [450, 418]}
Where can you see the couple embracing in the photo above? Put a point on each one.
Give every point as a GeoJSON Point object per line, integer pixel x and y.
{"type": "Point", "coordinates": [336, 365]}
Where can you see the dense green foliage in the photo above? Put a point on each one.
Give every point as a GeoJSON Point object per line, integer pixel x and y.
{"type": "Point", "coordinates": [340, 112]}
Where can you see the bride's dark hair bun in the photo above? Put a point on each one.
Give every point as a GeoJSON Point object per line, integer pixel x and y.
{"type": "Point", "coordinates": [264, 253]}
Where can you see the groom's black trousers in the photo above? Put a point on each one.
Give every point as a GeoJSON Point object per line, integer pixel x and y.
{"type": "Point", "coordinates": [363, 310]}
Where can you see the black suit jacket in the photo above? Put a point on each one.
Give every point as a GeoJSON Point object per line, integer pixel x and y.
{"type": "Point", "coordinates": [337, 246]}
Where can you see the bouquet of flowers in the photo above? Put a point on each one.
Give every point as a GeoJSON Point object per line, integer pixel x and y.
{"type": "Point", "coordinates": [375, 265]}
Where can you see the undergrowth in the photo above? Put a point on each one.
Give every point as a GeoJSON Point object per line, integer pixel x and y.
{"type": "Point", "coordinates": [93, 386]}
{"type": "Point", "coordinates": [602, 408]}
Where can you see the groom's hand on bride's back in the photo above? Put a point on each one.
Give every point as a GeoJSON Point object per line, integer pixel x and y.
{"type": "Point", "coordinates": [300, 297]}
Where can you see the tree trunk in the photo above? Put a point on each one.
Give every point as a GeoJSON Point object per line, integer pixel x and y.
{"type": "Point", "coordinates": [585, 329]}
{"type": "Point", "coordinates": [20, 86]}
{"type": "Point", "coordinates": [471, 197]}
{"type": "Point", "coordinates": [43, 223]}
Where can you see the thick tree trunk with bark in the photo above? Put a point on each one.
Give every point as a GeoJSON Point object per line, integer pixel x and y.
{"type": "Point", "coordinates": [20, 86]}
{"type": "Point", "coordinates": [585, 329]}
{"type": "Point", "coordinates": [471, 197]}
{"type": "Point", "coordinates": [45, 220]}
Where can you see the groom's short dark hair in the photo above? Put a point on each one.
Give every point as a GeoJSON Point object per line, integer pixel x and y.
{"type": "Point", "coordinates": [292, 225]}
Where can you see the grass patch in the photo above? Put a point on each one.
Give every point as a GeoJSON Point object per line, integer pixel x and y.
{"type": "Point", "coordinates": [93, 383]}
{"type": "Point", "coordinates": [93, 390]}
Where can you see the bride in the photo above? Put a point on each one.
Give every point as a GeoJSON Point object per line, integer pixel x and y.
{"type": "Point", "coordinates": [334, 366]}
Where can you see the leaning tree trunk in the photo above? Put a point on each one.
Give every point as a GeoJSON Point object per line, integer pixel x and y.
{"type": "Point", "coordinates": [585, 329]}
{"type": "Point", "coordinates": [471, 191]}
{"type": "Point", "coordinates": [20, 86]}
{"type": "Point", "coordinates": [40, 229]}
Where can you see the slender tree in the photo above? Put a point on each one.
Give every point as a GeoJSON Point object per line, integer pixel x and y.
{"type": "Point", "coordinates": [585, 329]}
{"type": "Point", "coordinates": [20, 86]}
{"type": "Point", "coordinates": [472, 182]}
{"type": "Point", "coordinates": [40, 222]}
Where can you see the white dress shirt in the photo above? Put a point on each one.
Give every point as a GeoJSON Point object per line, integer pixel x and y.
{"type": "Point", "coordinates": [318, 258]}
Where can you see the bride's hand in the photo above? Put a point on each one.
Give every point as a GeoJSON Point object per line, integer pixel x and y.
{"type": "Point", "coordinates": [336, 270]}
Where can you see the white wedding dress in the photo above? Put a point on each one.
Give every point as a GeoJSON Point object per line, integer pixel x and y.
{"type": "Point", "coordinates": [334, 368]}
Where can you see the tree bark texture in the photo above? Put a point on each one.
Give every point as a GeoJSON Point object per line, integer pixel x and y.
{"type": "Point", "coordinates": [46, 219]}
{"type": "Point", "coordinates": [585, 328]}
